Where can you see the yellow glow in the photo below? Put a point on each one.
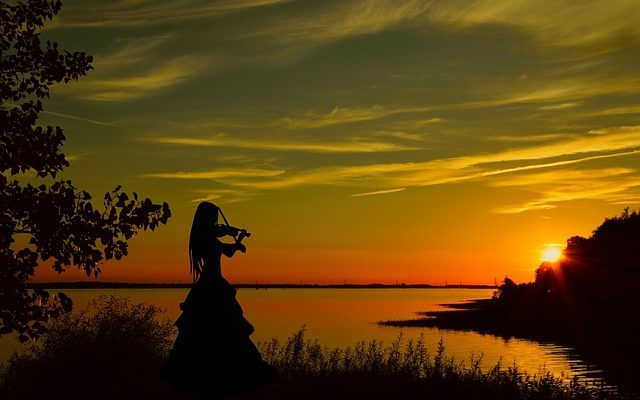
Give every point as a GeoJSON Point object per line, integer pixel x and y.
{"type": "Point", "coordinates": [551, 253]}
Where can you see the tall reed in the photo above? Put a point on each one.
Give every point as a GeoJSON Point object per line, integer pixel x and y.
{"type": "Point", "coordinates": [411, 366]}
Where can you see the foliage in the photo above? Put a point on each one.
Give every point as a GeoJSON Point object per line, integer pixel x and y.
{"type": "Point", "coordinates": [588, 299]}
{"type": "Point", "coordinates": [402, 370]}
{"type": "Point", "coordinates": [596, 274]}
{"type": "Point", "coordinates": [47, 216]}
{"type": "Point", "coordinates": [110, 339]}
{"type": "Point", "coordinates": [613, 245]}
{"type": "Point", "coordinates": [611, 255]}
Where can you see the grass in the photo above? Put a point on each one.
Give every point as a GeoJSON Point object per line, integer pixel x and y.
{"type": "Point", "coordinates": [404, 369]}
{"type": "Point", "coordinates": [115, 349]}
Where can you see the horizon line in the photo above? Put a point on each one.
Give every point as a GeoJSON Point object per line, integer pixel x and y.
{"type": "Point", "coordinates": [116, 284]}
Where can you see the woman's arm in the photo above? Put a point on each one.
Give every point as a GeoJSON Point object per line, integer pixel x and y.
{"type": "Point", "coordinates": [229, 249]}
{"type": "Point", "coordinates": [225, 230]}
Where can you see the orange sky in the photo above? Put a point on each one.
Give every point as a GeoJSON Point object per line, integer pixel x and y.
{"type": "Point", "coordinates": [407, 255]}
{"type": "Point", "coordinates": [359, 141]}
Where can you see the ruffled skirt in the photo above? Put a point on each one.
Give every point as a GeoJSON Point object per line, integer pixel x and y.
{"type": "Point", "coordinates": [213, 354]}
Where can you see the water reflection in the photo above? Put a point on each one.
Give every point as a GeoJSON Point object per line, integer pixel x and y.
{"type": "Point", "coordinates": [342, 317]}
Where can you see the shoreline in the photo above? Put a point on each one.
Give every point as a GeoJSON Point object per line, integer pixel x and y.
{"type": "Point", "coordinates": [483, 317]}
{"type": "Point", "coordinates": [138, 285]}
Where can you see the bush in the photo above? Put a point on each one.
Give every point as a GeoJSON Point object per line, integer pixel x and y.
{"type": "Point", "coordinates": [111, 348]}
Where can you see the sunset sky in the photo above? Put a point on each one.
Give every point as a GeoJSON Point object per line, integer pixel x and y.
{"type": "Point", "coordinates": [364, 141]}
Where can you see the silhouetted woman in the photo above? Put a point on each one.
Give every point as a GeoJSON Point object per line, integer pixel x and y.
{"type": "Point", "coordinates": [213, 354]}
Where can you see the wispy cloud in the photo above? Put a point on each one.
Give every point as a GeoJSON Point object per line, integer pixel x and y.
{"type": "Point", "coordinates": [130, 87]}
{"type": "Point", "coordinates": [553, 164]}
{"type": "Point", "coordinates": [73, 117]}
{"type": "Point", "coordinates": [618, 111]}
{"type": "Point", "coordinates": [552, 188]}
{"type": "Point", "coordinates": [597, 144]}
{"type": "Point", "coordinates": [593, 26]}
{"type": "Point", "coordinates": [600, 144]}
{"type": "Point", "coordinates": [553, 23]}
{"type": "Point", "coordinates": [598, 140]}
{"type": "Point", "coordinates": [416, 137]}
{"type": "Point", "coordinates": [372, 175]}
{"type": "Point", "coordinates": [556, 177]}
{"type": "Point", "coordinates": [135, 13]}
{"type": "Point", "coordinates": [136, 67]}
{"type": "Point", "coordinates": [221, 195]}
{"type": "Point", "coordinates": [348, 115]}
{"type": "Point", "coordinates": [562, 95]}
{"type": "Point", "coordinates": [378, 192]}
{"type": "Point", "coordinates": [565, 90]}
{"type": "Point", "coordinates": [348, 146]}
{"type": "Point", "coordinates": [218, 174]}
{"type": "Point", "coordinates": [561, 106]}
{"type": "Point", "coordinates": [546, 137]}
{"type": "Point", "coordinates": [408, 129]}
{"type": "Point", "coordinates": [123, 53]}
{"type": "Point", "coordinates": [339, 115]}
{"type": "Point", "coordinates": [558, 22]}
{"type": "Point", "coordinates": [77, 118]}
{"type": "Point", "coordinates": [340, 21]}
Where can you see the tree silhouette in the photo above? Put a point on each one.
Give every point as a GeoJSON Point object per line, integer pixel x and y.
{"type": "Point", "coordinates": [44, 218]}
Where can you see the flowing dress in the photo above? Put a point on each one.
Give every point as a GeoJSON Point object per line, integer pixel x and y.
{"type": "Point", "coordinates": [213, 354]}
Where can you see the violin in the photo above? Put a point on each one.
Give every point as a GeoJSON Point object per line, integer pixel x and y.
{"type": "Point", "coordinates": [237, 233]}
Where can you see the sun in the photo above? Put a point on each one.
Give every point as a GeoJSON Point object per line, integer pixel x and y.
{"type": "Point", "coordinates": [551, 253]}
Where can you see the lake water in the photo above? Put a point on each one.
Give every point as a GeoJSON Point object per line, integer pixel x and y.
{"type": "Point", "coordinates": [342, 317]}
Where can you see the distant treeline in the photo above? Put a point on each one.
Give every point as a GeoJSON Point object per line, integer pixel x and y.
{"type": "Point", "coordinates": [138, 285]}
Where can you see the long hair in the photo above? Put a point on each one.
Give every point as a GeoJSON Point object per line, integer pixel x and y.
{"type": "Point", "coordinates": [202, 231]}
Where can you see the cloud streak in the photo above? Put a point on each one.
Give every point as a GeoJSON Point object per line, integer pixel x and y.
{"type": "Point", "coordinates": [377, 192]}
{"type": "Point", "coordinates": [561, 106]}
{"type": "Point", "coordinates": [132, 13]}
{"type": "Point", "coordinates": [598, 144]}
{"type": "Point", "coordinates": [131, 87]}
{"type": "Point", "coordinates": [613, 185]}
{"type": "Point", "coordinates": [218, 174]}
{"type": "Point", "coordinates": [221, 195]}
{"type": "Point", "coordinates": [349, 115]}
{"type": "Point", "coordinates": [563, 95]}
{"type": "Point", "coordinates": [77, 118]}
{"type": "Point", "coordinates": [73, 117]}
{"type": "Point", "coordinates": [341, 21]}
{"type": "Point", "coordinates": [556, 23]}
{"type": "Point", "coordinates": [337, 116]}
{"type": "Point", "coordinates": [352, 146]}
{"type": "Point", "coordinates": [553, 23]}
{"type": "Point", "coordinates": [136, 67]}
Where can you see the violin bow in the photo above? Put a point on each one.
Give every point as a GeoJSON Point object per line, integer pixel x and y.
{"type": "Point", "coordinates": [223, 217]}
{"type": "Point", "coordinates": [242, 232]}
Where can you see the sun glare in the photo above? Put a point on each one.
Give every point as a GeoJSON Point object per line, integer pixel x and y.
{"type": "Point", "coordinates": [551, 253]}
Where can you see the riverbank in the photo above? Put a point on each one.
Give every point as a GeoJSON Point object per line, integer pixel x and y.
{"type": "Point", "coordinates": [610, 351]}
{"type": "Point", "coordinates": [485, 317]}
